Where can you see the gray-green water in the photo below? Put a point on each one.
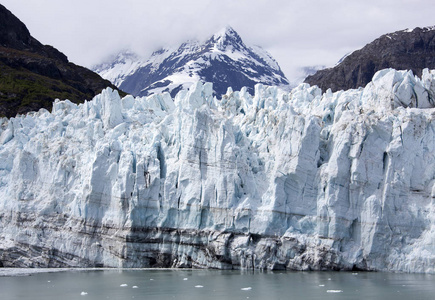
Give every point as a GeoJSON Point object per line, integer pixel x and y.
{"type": "Point", "coordinates": [206, 284]}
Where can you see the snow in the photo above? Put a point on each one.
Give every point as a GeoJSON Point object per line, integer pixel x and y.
{"type": "Point", "coordinates": [216, 53]}
{"type": "Point", "coordinates": [125, 63]}
{"type": "Point", "coordinates": [168, 64]}
{"type": "Point", "coordinates": [224, 32]}
{"type": "Point", "coordinates": [427, 28]}
{"type": "Point", "coordinates": [159, 56]}
{"type": "Point", "coordinates": [300, 179]}
{"type": "Point", "coordinates": [176, 80]}
{"type": "Point", "coordinates": [264, 55]}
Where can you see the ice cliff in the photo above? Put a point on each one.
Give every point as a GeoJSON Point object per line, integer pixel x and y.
{"type": "Point", "coordinates": [278, 180]}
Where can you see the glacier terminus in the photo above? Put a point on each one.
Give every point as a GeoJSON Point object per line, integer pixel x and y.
{"type": "Point", "coordinates": [279, 180]}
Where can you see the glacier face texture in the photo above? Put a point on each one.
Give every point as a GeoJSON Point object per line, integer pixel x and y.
{"type": "Point", "coordinates": [278, 180]}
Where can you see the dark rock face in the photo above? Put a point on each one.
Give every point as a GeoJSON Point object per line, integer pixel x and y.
{"type": "Point", "coordinates": [32, 75]}
{"type": "Point", "coordinates": [402, 50]}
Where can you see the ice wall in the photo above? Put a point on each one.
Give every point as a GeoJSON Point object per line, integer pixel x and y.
{"type": "Point", "coordinates": [299, 180]}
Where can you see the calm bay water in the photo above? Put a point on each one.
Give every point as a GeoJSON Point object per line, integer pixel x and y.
{"type": "Point", "coordinates": [207, 284]}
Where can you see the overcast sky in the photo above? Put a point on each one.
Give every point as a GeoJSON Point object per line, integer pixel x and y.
{"type": "Point", "coordinates": [296, 32]}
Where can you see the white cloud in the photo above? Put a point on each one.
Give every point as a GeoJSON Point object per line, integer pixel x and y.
{"type": "Point", "coordinates": [296, 32]}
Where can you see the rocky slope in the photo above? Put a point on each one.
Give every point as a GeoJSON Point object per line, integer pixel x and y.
{"type": "Point", "coordinates": [32, 75]}
{"type": "Point", "coordinates": [402, 50]}
{"type": "Point", "coordinates": [223, 60]}
{"type": "Point", "coordinates": [278, 180]}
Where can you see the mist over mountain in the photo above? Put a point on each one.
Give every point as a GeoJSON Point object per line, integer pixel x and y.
{"type": "Point", "coordinates": [223, 59]}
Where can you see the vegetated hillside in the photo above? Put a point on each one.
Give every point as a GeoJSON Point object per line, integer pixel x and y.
{"type": "Point", "coordinates": [32, 75]}
{"type": "Point", "coordinates": [402, 50]}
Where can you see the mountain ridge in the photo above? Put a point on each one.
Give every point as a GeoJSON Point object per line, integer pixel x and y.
{"type": "Point", "coordinates": [33, 75]}
{"type": "Point", "coordinates": [401, 50]}
{"type": "Point", "coordinates": [222, 59]}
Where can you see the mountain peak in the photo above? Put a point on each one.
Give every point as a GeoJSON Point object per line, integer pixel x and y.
{"type": "Point", "coordinates": [223, 60]}
{"type": "Point", "coordinates": [226, 31]}
{"type": "Point", "coordinates": [226, 37]}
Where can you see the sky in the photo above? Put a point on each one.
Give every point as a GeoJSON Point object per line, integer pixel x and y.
{"type": "Point", "coordinates": [297, 33]}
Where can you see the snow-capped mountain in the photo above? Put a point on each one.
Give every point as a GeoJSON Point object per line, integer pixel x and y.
{"type": "Point", "coordinates": [277, 180]}
{"type": "Point", "coordinates": [223, 60]}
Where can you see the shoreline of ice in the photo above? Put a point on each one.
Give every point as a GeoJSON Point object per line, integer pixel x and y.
{"type": "Point", "coordinates": [12, 272]}
{"type": "Point", "coordinates": [299, 180]}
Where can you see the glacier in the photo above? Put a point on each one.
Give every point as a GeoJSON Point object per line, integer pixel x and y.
{"type": "Point", "coordinates": [299, 180]}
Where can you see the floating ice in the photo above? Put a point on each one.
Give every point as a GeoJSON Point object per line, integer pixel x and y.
{"type": "Point", "coordinates": [246, 288]}
{"type": "Point", "coordinates": [134, 287]}
{"type": "Point", "coordinates": [124, 284]}
{"type": "Point", "coordinates": [185, 279]}
{"type": "Point", "coordinates": [199, 286]}
{"type": "Point", "coordinates": [83, 293]}
{"type": "Point", "coordinates": [334, 291]}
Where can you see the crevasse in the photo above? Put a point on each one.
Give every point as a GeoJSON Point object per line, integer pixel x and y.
{"type": "Point", "coordinates": [278, 180]}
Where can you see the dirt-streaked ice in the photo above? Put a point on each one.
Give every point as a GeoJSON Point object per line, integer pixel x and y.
{"type": "Point", "coordinates": [299, 180]}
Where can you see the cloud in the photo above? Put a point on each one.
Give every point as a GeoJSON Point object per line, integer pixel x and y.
{"type": "Point", "coordinates": [296, 32]}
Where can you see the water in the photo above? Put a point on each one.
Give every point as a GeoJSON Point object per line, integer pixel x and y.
{"type": "Point", "coordinates": [206, 284]}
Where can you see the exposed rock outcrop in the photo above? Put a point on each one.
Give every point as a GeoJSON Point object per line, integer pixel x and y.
{"type": "Point", "coordinates": [32, 75]}
{"type": "Point", "coordinates": [402, 50]}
